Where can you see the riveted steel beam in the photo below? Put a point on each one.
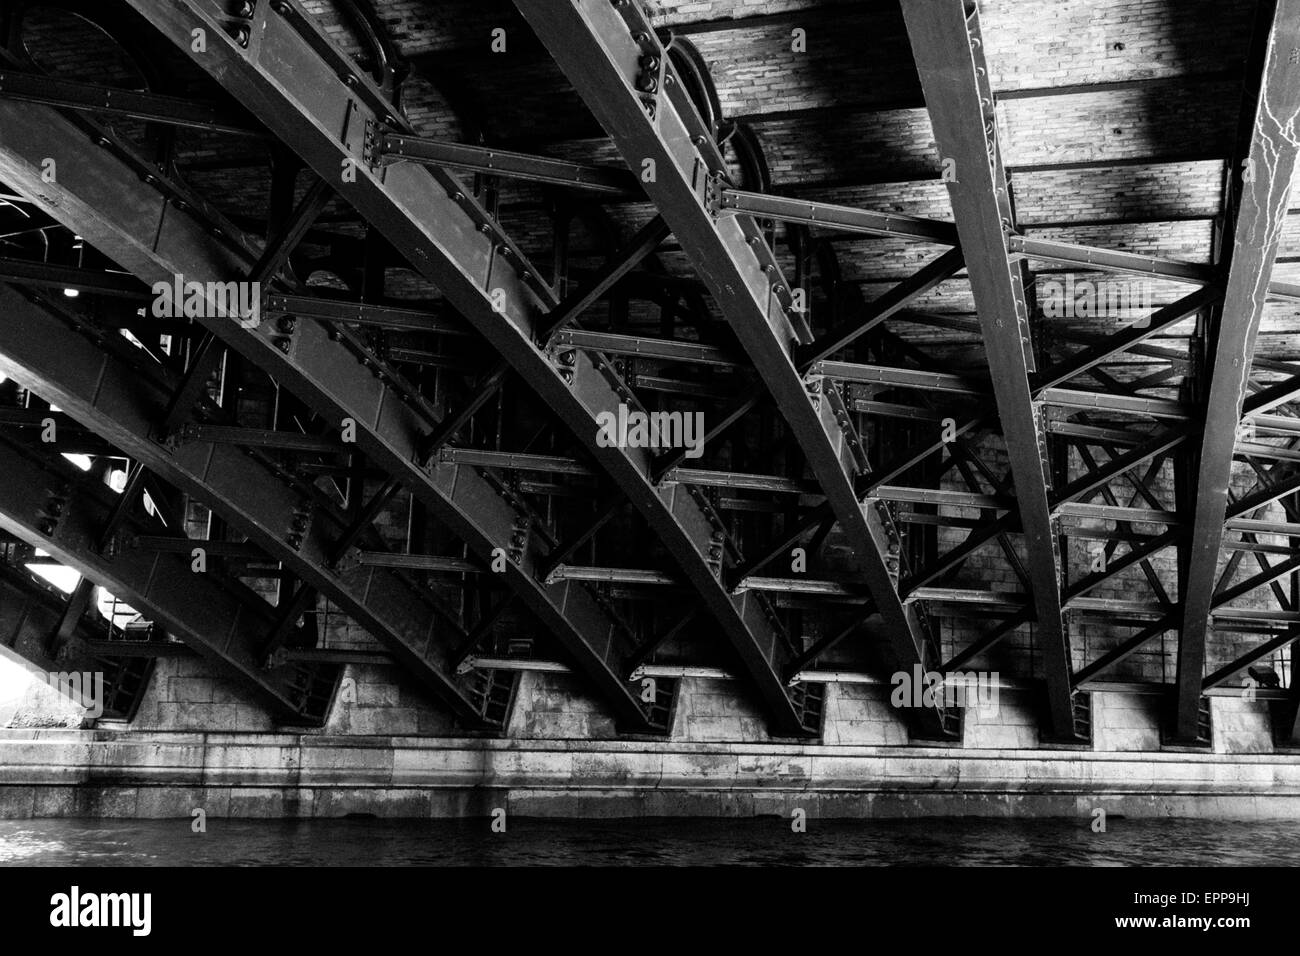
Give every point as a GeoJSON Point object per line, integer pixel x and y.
{"type": "Point", "coordinates": [1108, 260]}
{"type": "Point", "coordinates": [1128, 404]}
{"type": "Point", "coordinates": [831, 216]}
{"type": "Point", "coordinates": [403, 147]}
{"type": "Point", "coordinates": [333, 119]}
{"type": "Point", "coordinates": [948, 49]}
{"type": "Point", "coordinates": [364, 315]}
{"type": "Point", "coordinates": [114, 101]}
{"type": "Point", "coordinates": [54, 506]}
{"type": "Point", "coordinates": [1261, 192]}
{"type": "Point", "coordinates": [617, 64]}
{"type": "Point", "coordinates": [119, 284]}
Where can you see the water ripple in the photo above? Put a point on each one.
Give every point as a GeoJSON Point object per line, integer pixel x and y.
{"type": "Point", "coordinates": [760, 842]}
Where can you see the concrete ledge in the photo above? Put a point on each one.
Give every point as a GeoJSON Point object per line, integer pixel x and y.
{"type": "Point", "coordinates": [128, 774]}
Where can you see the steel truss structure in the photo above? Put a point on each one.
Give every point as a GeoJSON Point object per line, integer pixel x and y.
{"type": "Point", "coordinates": [856, 495]}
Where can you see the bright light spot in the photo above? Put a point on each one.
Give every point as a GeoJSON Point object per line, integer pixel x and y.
{"type": "Point", "coordinates": [71, 293]}
{"type": "Point", "coordinates": [16, 682]}
{"type": "Point", "coordinates": [117, 480]}
{"type": "Point", "coordinates": [22, 692]}
{"type": "Point", "coordinates": [55, 408]}
{"type": "Point", "coordinates": [81, 461]}
{"type": "Point", "coordinates": [3, 378]}
{"type": "Point", "coordinates": [110, 607]}
{"type": "Point", "coordinates": [61, 576]}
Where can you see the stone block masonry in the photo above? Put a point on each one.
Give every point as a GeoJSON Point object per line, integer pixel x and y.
{"type": "Point", "coordinates": [388, 752]}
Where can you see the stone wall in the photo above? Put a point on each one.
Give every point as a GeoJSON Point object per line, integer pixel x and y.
{"type": "Point", "coordinates": [109, 774]}
{"type": "Point", "coordinates": [190, 695]}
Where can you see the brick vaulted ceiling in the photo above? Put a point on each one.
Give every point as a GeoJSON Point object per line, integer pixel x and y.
{"type": "Point", "coordinates": [1065, 452]}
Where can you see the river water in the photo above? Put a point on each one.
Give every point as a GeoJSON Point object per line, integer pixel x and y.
{"type": "Point", "coordinates": [767, 841]}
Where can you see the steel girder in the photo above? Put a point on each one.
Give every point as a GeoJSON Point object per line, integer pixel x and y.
{"type": "Point", "coordinates": [114, 101]}
{"type": "Point", "coordinates": [290, 76]}
{"type": "Point", "coordinates": [393, 146]}
{"type": "Point", "coordinates": [947, 47]}
{"type": "Point", "coordinates": [32, 614]}
{"type": "Point", "coordinates": [52, 505]}
{"type": "Point", "coordinates": [605, 50]}
{"type": "Point", "coordinates": [123, 403]}
{"type": "Point", "coordinates": [396, 147]}
{"type": "Point", "coordinates": [1260, 217]}
{"type": "Point", "coordinates": [104, 199]}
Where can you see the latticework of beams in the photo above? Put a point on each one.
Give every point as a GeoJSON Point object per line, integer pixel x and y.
{"type": "Point", "coordinates": [451, 239]}
{"type": "Point", "coordinates": [103, 199]}
{"type": "Point", "coordinates": [899, 423]}
{"type": "Point", "coordinates": [603, 50]}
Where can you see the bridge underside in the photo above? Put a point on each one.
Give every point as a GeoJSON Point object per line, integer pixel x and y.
{"type": "Point", "coordinates": [575, 369]}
